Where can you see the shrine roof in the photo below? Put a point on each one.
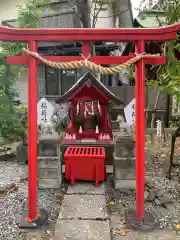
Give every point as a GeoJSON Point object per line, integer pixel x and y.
{"type": "Point", "coordinates": [82, 81]}
{"type": "Point", "coordinates": [149, 19]}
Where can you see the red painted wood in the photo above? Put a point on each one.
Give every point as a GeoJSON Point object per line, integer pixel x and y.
{"type": "Point", "coordinates": [89, 93]}
{"type": "Point", "coordinates": [32, 136]}
{"type": "Point", "coordinates": [85, 163]}
{"type": "Point", "coordinates": [140, 130]}
{"type": "Point", "coordinates": [86, 93]}
{"type": "Point", "coordinates": [86, 49]}
{"type": "Point", "coordinates": [91, 37]}
{"type": "Point", "coordinates": [104, 60]}
{"type": "Point", "coordinates": [87, 34]}
{"type": "Point", "coordinates": [107, 35]}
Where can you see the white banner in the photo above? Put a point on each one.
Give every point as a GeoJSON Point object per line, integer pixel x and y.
{"type": "Point", "coordinates": [129, 112]}
{"type": "Point", "coordinates": [45, 111]}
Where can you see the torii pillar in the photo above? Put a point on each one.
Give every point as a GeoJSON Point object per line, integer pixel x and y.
{"type": "Point", "coordinates": [137, 35]}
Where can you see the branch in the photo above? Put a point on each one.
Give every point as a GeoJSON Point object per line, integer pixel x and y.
{"type": "Point", "coordinates": [118, 15]}
{"type": "Point", "coordinates": [95, 17]}
{"type": "Point", "coordinates": [93, 25]}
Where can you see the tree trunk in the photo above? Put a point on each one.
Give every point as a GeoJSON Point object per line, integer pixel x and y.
{"type": "Point", "coordinates": [83, 12]}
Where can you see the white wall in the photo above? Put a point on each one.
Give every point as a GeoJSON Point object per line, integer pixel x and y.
{"type": "Point", "coordinates": [21, 85]}
{"type": "Point", "coordinates": [9, 9]}
{"type": "Point", "coordinates": [104, 16]}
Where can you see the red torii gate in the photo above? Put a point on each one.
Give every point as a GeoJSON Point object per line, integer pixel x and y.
{"type": "Point", "coordinates": [137, 35]}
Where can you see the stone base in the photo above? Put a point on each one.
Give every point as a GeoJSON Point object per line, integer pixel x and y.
{"type": "Point", "coordinates": [124, 184]}
{"type": "Point", "coordinates": [40, 221]}
{"type": "Point", "coordinates": [124, 163]}
{"type": "Point", "coordinates": [22, 153]}
{"type": "Point", "coordinates": [49, 172]}
{"type": "Point", "coordinates": [124, 172]}
{"type": "Point", "coordinates": [125, 147]}
{"type": "Point", "coordinates": [49, 162]}
{"type": "Point", "coordinates": [148, 223]}
{"type": "Point", "coordinates": [47, 183]}
{"type": "Point", "coordinates": [49, 146]}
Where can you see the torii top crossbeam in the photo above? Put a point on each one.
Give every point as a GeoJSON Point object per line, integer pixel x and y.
{"type": "Point", "coordinates": [137, 35]}
{"type": "Point", "coordinates": [89, 34]}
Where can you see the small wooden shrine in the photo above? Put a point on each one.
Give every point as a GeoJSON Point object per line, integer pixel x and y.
{"type": "Point", "coordinates": [89, 110]}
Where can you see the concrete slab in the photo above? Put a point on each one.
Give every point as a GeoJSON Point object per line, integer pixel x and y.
{"type": "Point", "coordinates": [85, 188]}
{"type": "Point", "coordinates": [83, 207]}
{"type": "Point", "coordinates": [82, 230]}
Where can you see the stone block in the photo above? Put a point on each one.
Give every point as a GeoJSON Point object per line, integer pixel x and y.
{"type": "Point", "coordinates": [152, 195]}
{"type": "Point", "coordinates": [124, 184]}
{"type": "Point", "coordinates": [49, 147]}
{"type": "Point", "coordinates": [51, 173]}
{"type": "Point", "coordinates": [124, 162]}
{"type": "Point", "coordinates": [125, 147]}
{"type": "Point", "coordinates": [44, 183]}
{"type": "Point", "coordinates": [124, 172]}
{"type": "Point", "coordinates": [49, 162]}
{"type": "Point", "coordinates": [124, 175]}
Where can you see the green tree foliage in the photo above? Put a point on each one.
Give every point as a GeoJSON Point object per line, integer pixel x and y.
{"type": "Point", "coordinates": [168, 75]}
{"type": "Point", "coordinates": [30, 16]}
{"type": "Point", "coordinates": [12, 119]}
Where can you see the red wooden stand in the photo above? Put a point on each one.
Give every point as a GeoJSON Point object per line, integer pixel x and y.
{"type": "Point", "coordinates": [85, 163]}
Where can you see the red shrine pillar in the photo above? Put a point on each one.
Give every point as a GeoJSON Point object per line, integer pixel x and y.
{"type": "Point", "coordinates": [140, 131]}
{"type": "Point", "coordinates": [32, 135]}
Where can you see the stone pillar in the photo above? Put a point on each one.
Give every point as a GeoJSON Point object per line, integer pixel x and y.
{"type": "Point", "coordinates": [124, 163]}
{"type": "Point", "coordinates": [49, 163]}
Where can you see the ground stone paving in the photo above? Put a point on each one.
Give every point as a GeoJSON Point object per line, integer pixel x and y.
{"type": "Point", "coordinates": [82, 230]}
{"type": "Point", "coordinates": [83, 214]}
{"type": "Point", "coordinates": [159, 235]}
{"type": "Point", "coordinates": [85, 188]}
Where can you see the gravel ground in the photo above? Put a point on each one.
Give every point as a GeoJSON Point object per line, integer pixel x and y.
{"type": "Point", "coordinates": [168, 218]}
{"type": "Point", "coordinates": [11, 205]}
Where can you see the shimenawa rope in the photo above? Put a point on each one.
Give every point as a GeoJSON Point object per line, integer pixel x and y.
{"type": "Point", "coordinates": [88, 64]}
